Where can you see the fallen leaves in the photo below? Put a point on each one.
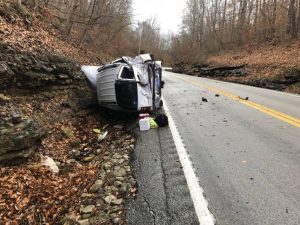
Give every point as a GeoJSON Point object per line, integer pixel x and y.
{"type": "Point", "coordinates": [32, 193]}
{"type": "Point", "coordinates": [265, 63]}
{"type": "Point", "coordinates": [43, 37]}
{"type": "Point", "coordinates": [35, 195]}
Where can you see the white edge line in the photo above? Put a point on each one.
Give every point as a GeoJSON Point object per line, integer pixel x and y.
{"type": "Point", "coordinates": [201, 206]}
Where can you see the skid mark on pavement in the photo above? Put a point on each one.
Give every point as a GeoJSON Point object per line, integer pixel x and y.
{"type": "Point", "coordinates": [271, 112]}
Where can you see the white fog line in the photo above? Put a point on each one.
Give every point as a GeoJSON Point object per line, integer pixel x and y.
{"type": "Point", "coordinates": [196, 192]}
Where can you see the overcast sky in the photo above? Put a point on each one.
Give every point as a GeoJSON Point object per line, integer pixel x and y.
{"type": "Point", "coordinates": [167, 12]}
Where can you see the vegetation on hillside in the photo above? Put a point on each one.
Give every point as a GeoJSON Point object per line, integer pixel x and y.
{"type": "Point", "coordinates": [263, 34]}
{"type": "Point", "coordinates": [209, 27]}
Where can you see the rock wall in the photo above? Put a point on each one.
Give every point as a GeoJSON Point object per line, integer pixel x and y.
{"type": "Point", "coordinates": [27, 78]}
{"type": "Point", "coordinates": [287, 80]}
{"type": "Point", "coordinates": [19, 138]}
{"type": "Point", "coordinates": [35, 70]}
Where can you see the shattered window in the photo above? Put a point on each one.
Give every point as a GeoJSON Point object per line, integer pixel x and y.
{"type": "Point", "coordinates": [127, 73]}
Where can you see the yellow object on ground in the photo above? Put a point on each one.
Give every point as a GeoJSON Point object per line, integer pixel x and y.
{"type": "Point", "coordinates": [153, 124]}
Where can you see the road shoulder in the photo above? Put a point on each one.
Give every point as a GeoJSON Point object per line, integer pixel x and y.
{"type": "Point", "coordinates": [163, 196]}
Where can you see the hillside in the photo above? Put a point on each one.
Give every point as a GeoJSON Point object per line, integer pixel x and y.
{"type": "Point", "coordinates": [273, 64]}
{"type": "Point", "coordinates": [268, 65]}
{"type": "Point", "coordinates": [61, 161]}
{"type": "Point", "coordinates": [38, 34]}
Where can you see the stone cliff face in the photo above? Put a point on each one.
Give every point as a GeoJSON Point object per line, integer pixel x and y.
{"type": "Point", "coordinates": [27, 77]}
{"type": "Point", "coordinates": [19, 139]}
{"type": "Point", "coordinates": [35, 70]}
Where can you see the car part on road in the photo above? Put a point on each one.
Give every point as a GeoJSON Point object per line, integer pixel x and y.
{"type": "Point", "coordinates": [153, 124]}
{"type": "Point", "coordinates": [204, 99]}
{"type": "Point", "coordinates": [144, 124]}
{"type": "Point", "coordinates": [162, 120]}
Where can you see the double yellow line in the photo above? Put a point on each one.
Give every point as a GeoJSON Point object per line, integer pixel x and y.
{"type": "Point", "coordinates": [279, 115]}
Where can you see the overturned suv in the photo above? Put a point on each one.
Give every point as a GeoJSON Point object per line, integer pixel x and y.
{"type": "Point", "coordinates": [128, 84]}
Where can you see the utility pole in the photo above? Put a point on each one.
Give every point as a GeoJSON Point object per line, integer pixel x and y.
{"type": "Point", "coordinates": [141, 36]}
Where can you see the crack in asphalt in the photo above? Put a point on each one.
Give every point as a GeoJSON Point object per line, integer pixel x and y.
{"type": "Point", "coordinates": [150, 210]}
{"type": "Point", "coordinates": [164, 178]}
{"type": "Point", "coordinates": [145, 199]}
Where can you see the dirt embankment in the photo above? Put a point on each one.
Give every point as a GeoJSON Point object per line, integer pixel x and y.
{"type": "Point", "coordinates": [270, 66]}
{"type": "Point", "coordinates": [61, 162]}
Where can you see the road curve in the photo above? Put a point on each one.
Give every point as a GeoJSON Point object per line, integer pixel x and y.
{"type": "Point", "coordinates": [246, 154]}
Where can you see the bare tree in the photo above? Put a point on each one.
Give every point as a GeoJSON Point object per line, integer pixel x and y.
{"type": "Point", "coordinates": [298, 20]}
{"type": "Point", "coordinates": [212, 25]}
{"type": "Point", "coordinates": [274, 14]}
{"type": "Point", "coordinates": [291, 26]}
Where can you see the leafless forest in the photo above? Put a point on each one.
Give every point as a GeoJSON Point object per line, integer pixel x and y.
{"type": "Point", "coordinates": [211, 26]}
{"type": "Point", "coordinates": [208, 26]}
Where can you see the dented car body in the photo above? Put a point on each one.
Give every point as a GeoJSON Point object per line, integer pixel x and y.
{"type": "Point", "coordinates": [128, 84]}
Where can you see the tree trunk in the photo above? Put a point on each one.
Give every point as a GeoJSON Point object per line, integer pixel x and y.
{"type": "Point", "coordinates": [298, 25]}
{"type": "Point", "coordinates": [201, 25]}
{"type": "Point", "coordinates": [233, 21]}
{"type": "Point", "coordinates": [89, 22]}
{"type": "Point", "coordinates": [274, 14]}
{"type": "Point", "coordinates": [224, 16]}
{"type": "Point", "coordinates": [256, 15]}
{"type": "Point", "coordinates": [70, 17]}
{"type": "Point", "coordinates": [291, 26]}
{"type": "Point", "coordinates": [242, 20]}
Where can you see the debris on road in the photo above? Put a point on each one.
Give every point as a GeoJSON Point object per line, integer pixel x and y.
{"type": "Point", "coordinates": [153, 124]}
{"type": "Point", "coordinates": [245, 99]}
{"type": "Point", "coordinates": [217, 95]}
{"type": "Point", "coordinates": [144, 124]}
{"type": "Point", "coordinates": [161, 120]}
{"type": "Point", "coordinates": [204, 99]}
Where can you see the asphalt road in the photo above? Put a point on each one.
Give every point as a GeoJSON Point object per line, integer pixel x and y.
{"type": "Point", "coordinates": [246, 154]}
